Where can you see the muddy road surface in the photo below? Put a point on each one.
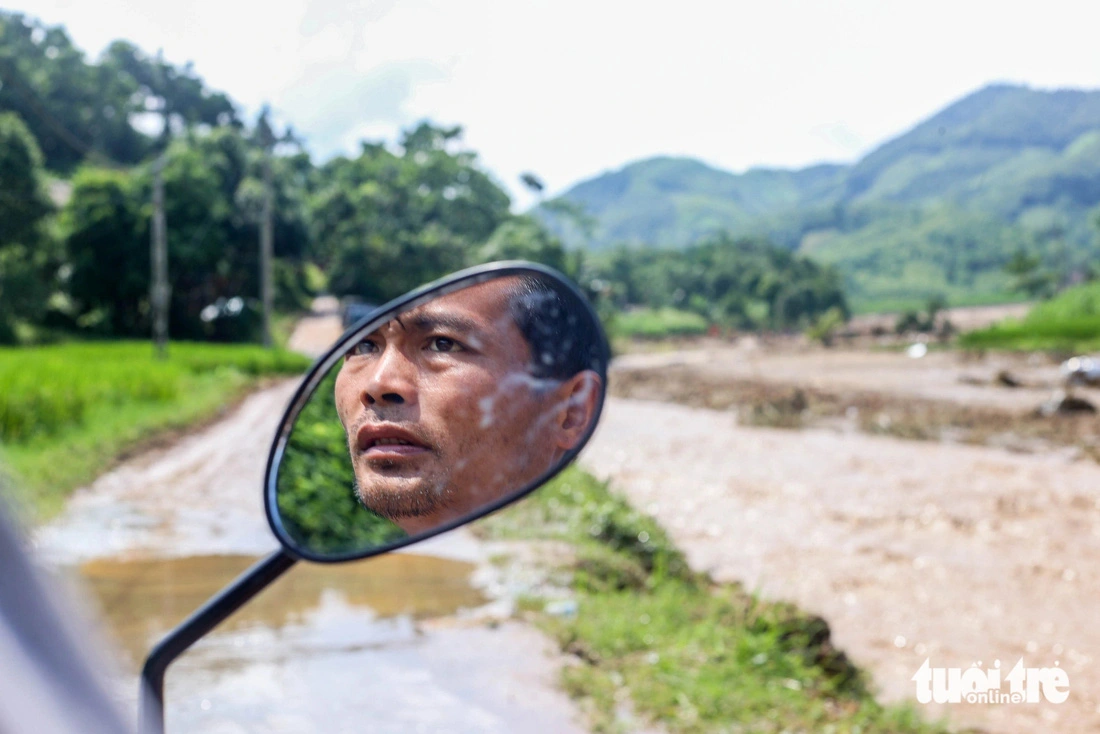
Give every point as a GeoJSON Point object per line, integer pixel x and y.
{"type": "Point", "coordinates": [910, 549]}
{"type": "Point", "coordinates": [417, 641]}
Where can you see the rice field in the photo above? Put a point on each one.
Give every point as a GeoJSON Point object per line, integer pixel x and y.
{"type": "Point", "coordinates": [67, 410]}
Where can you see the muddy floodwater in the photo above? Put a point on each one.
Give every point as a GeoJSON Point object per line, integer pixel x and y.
{"type": "Point", "coordinates": [386, 645]}
{"type": "Point", "coordinates": [141, 600]}
{"type": "Point", "coordinates": [911, 550]}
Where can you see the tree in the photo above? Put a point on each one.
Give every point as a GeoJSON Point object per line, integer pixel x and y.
{"type": "Point", "coordinates": [738, 283]}
{"type": "Point", "coordinates": [47, 83]}
{"type": "Point", "coordinates": [523, 238]}
{"type": "Point", "coordinates": [386, 222]}
{"type": "Point", "coordinates": [79, 111]}
{"type": "Point", "coordinates": [107, 253]}
{"type": "Point", "coordinates": [213, 187]}
{"type": "Point", "coordinates": [176, 93]}
{"type": "Point", "coordinates": [1028, 275]}
{"type": "Point", "coordinates": [28, 258]}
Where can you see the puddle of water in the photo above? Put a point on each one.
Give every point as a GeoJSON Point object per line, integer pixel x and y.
{"type": "Point", "coordinates": [141, 600]}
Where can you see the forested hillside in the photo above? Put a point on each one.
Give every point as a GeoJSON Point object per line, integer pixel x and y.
{"type": "Point", "coordinates": [938, 210]}
{"type": "Point", "coordinates": [81, 141]}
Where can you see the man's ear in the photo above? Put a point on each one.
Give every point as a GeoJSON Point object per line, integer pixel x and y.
{"type": "Point", "coordinates": [576, 407]}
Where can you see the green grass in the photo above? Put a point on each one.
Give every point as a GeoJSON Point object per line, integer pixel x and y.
{"type": "Point", "coordinates": [1069, 322]}
{"type": "Point", "coordinates": [647, 323]}
{"type": "Point", "coordinates": [68, 411]}
{"type": "Point", "coordinates": [861, 307]}
{"type": "Point", "coordinates": [685, 652]}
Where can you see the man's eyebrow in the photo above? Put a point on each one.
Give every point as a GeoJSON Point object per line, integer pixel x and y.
{"type": "Point", "coordinates": [430, 321]}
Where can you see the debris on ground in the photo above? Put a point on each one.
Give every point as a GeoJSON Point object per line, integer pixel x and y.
{"type": "Point", "coordinates": [1081, 371]}
{"type": "Point", "coordinates": [1064, 404]}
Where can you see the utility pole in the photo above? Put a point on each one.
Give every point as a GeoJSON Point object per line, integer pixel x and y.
{"type": "Point", "coordinates": [267, 236]}
{"type": "Point", "coordinates": [159, 290]}
{"type": "Point", "coordinates": [265, 137]}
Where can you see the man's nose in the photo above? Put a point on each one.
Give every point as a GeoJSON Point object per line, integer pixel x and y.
{"type": "Point", "coordinates": [391, 382]}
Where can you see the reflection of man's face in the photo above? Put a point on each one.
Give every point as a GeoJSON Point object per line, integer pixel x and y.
{"type": "Point", "coordinates": [443, 415]}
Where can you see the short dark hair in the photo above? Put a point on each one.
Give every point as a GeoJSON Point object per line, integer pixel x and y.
{"type": "Point", "coordinates": [559, 327]}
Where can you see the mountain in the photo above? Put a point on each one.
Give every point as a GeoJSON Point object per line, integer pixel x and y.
{"type": "Point", "coordinates": [1000, 147]}
{"type": "Point", "coordinates": [939, 209]}
{"type": "Point", "coordinates": [680, 200]}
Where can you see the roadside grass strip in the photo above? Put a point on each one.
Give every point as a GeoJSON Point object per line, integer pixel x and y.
{"type": "Point", "coordinates": [655, 640]}
{"type": "Point", "coordinates": [648, 323]}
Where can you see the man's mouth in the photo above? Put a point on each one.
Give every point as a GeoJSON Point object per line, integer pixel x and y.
{"type": "Point", "coordinates": [378, 442]}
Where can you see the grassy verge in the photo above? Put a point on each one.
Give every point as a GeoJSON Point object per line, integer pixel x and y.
{"type": "Point", "coordinates": [67, 412]}
{"type": "Point", "coordinates": [675, 648]}
{"type": "Point", "coordinates": [1066, 335]}
{"type": "Point", "coordinates": [648, 323]}
{"type": "Point", "coordinates": [955, 299]}
{"type": "Point", "coordinates": [1068, 323]}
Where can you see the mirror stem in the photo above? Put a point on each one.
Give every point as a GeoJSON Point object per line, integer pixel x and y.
{"type": "Point", "coordinates": [204, 619]}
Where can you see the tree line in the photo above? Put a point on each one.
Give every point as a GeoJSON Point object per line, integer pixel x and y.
{"type": "Point", "coordinates": [733, 282]}
{"type": "Point", "coordinates": [76, 172]}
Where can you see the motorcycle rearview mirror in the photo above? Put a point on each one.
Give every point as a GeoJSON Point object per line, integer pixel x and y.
{"type": "Point", "coordinates": [444, 405]}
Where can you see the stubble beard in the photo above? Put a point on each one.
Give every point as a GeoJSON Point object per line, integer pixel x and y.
{"type": "Point", "coordinates": [397, 498]}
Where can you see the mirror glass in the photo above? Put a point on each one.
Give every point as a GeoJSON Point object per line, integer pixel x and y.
{"type": "Point", "coordinates": [437, 411]}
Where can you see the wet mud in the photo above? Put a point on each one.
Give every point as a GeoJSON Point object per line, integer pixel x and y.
{"type": "Point", "coordinates": [142, 600]}
{"type": "Point", "coordinates": [999, 416]}
{"type": "Point", "coordinates": [910, 549]}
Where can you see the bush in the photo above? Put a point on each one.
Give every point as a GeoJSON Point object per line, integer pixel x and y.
{"type": "Point", "coordinates": [648, 323]}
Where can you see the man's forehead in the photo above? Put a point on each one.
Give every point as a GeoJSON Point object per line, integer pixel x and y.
{"type": "Point", "coordinates": [482, 307]}
{"type": "Point", "coordinates": [484, 301]}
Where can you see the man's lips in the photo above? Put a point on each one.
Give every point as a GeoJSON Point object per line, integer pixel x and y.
{"type": "Point", "coordinates": [378, 441]}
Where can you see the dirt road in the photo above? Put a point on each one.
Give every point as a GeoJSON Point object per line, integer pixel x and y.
{"type": "Point", "coordinates": [402, 643]}
{"type": "Point", "coordinates": [911, 550]}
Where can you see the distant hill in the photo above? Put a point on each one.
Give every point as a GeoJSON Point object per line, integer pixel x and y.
{"type": "Point", "coordinates": [938, 209]}
{"type": "Point", "coordinates": [676, 201]}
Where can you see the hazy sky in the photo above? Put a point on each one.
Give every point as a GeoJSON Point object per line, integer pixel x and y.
{"type": "Point", "coordinates": [570, 88]}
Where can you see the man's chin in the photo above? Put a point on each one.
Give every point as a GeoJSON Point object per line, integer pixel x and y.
{"type": "Point", "coordinates": [401, 499]}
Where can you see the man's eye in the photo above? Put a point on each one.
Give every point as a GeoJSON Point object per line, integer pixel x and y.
{"type": "Point", "coordinates": [363, 347]}
{"type": "Point", "coordinates": [443, 344]}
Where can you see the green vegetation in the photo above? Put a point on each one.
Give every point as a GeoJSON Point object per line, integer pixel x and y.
{"type": "Point", "coordinates": [1070, 322]}
{"type": "Point", "coordinates": [27, 252]}
{"type": "Point", "coordinates": [75, 220]}
{"type": "Point", "coordinates": [316, 492]}
{"type": "Point", "coordinates": [67, 411]}
{"type": "Point", "coordinates": [678, 201]}
{"type": "Point", "coordinates": [74, 254]}
{"type": "Point", "coordinates": [733, 283]}
{"type": "Point", "coordinates": [689, 654]}
{"type": "Point", "coordinates": [649, 323]}
{"type": "Point", "coordinates": [942, 208]}
{"type": "Point", "coordinates": [910, 255]}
